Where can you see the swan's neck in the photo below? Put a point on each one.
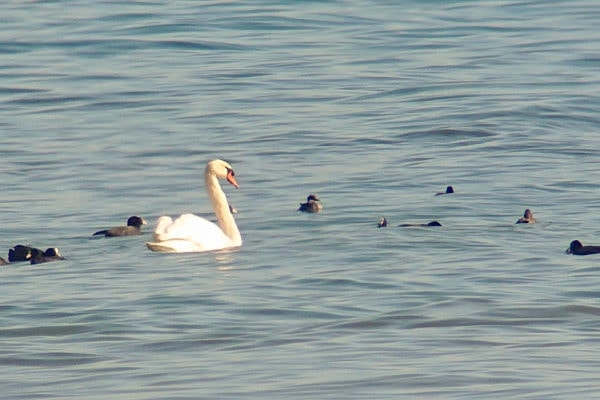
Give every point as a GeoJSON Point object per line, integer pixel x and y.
{"type": "Point", "coordinates": [221, 208]}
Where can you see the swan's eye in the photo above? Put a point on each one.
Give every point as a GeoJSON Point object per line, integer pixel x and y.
{"type": "Point", "coordinates": [230, 172]}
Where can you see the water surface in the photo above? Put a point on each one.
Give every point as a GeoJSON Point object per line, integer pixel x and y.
{"type": "Point", "coordinates": [112, 109]}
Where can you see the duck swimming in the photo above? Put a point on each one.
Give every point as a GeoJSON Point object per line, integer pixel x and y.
{"type": "Point", "coordinates": [312, 205]}
{"type": "Point", "coordinates": [133, 227]}
{"type": "Point", "coordinates": [527, 218]}
{"type": "Point", "coordinates": [449, 190]}
{"type": "Point", "coordinates": [432, 223]}
{"type": "Point", "coordinates": [578, 249]}
{"type": "Point", "coordinates": [51, 254]}
{"type": "Point", "coordinates": [21, 253]}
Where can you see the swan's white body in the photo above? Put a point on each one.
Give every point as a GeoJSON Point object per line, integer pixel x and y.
{"type": "Point", "coordinates": [190, 233]}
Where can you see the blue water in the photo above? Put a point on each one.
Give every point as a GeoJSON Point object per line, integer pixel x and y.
{"type": "Point", "coordinates": [111, 109]}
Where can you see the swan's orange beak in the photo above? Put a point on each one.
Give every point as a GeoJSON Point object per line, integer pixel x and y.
{"type": "Point", "coordinates": [231, 179]}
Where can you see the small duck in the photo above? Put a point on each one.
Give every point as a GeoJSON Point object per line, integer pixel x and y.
{"type": "Point", "coordinates": [3, 261]}
{"type": "Point", "coordinates": [312, 205]}
{"type": "Point", "coordinates": [51, 254]}
{"type": "Point", "coordinates": [20, 253]}
{"type": "Point", "coordinates": [527, 218]}
{"type": "Point", "coordinates": [432, 223]}
{"type": "Point", "coordinates": [449, 190]}
{"type": "Point", "coordinates": [578, 249]}
{"type": "Point", "coordinates": [133, 227]}
{"type": "Point", "coordinates": [382, 223]}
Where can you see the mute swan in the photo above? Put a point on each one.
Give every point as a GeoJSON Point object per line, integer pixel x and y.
{"type": "Point", "coordinates": [133, 228]}
{"type": "Point", "coordinates": [312, 205]}
{"type": "Point", "coordinates": [190, 233]}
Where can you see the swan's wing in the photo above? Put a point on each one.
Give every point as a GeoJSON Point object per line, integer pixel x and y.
{"type": "Point", "coordinates": [201, 232]}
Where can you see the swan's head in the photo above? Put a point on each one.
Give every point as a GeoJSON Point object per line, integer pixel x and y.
{"type": "Point", "coordinates": [221, 170]}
